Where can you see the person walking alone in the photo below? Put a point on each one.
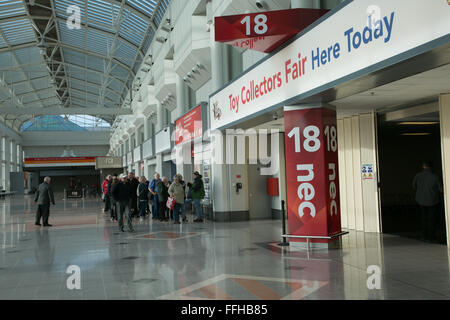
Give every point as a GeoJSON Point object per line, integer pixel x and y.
{"type": "Point", "coordinates": [122, 194]}
{"type": "Point", "coordinates": [133, 184]}
{"type": "Point", "coordinates": [176, 190]}
{"type": "Point", "coordinates": [197, 194]}
{"type": "Point", "coordinates": [44, 196]}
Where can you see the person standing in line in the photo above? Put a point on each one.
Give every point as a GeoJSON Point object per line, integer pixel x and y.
{"type": "Point", "coordinates": [147, 210]}
{"type": "Point", "coordinates": [133, 184]}
{"type": "Point", "coordinates": [183, 184]}
{"type": "Point", "coordinates": [154, 192]}
{"type": "Point", "coordinates": [44, 196]}
{"type": "Point", "coordinates": [112, 206]}
{"type": "Point", "coordinates": [105, 193]}
{"type": "Point", "coordinates": [163, 195]}
{"type": "Point", "coordinates": [428, 190]}
{"type": "Point", "coordinates": [197, 194]}
{"type": "Point", "coordinates": [122, 194]}
{"type": "Point", "coordinates": [176, 190]}
{"type": "Point", "coordinates": [143, 197]}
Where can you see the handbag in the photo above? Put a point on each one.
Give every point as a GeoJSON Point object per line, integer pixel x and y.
{"type": "Point", "coordinates": [170, 203]}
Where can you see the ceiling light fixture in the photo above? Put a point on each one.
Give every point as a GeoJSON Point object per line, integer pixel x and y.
{"type": "Point", "coordinates": [415, 134]}
{"type": "Point", "coordinates": [417, 123]}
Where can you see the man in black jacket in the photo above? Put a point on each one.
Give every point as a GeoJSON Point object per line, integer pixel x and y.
{"type": "Point", "coordinates": [133, 184]}
{"type": "Point", "coordinates": [122, 194]}
{"type": "Point", "coordinates": [428, 194]}
{"type": "Point", "coordinates": [163, 195]}
{"type": "Point", "coordinates": [143, 197]}
{"type": "Point", "coordinates": [44, 196]}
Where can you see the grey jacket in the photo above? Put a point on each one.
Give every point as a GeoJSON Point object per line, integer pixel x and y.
{"type": "Point", "coordinates": [428, 188]}
{"type": "Point", "coordinates": [44, 194]}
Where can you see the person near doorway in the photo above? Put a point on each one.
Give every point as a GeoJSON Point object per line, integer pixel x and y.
{"type": "Point", "coordinates": [428, 191]}
{"type": "Point", "coordinates": [133, 184]}
{"type": "Point", "coordinates": [163, 195]}
{"type": "Point", "coordinates": [154, 194]}
{"type": "Point", "coordinates": [122, 194]}
{"type": "Point", "coordinates": [197, 192]}
{"type": "Point", "coordinates": [177, 191]}
{"type": "Point", "coordinates": [143, 197]}
{"type": "Point", "coordinates": [105, 193]}
{"type": "Point", "coordinates": [44, 196]}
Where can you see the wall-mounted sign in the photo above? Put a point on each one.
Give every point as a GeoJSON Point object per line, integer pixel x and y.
{"type": "Point", "coordinates": [162, 141]}
{"type": "Point", "coordinates": [124, 160]}
{"type": "Point", "coordinates": [367, 172]}
{"type": "Point", "coordinates": [137, 156]}
{"type": "Point", "coordinates": [264, 31]}
{"type": "Point", "coordinates": [147, 149]}
{"type": "Point", "coordinates": [356, 40]}
{"type": "Point", "coordinates": [189, 127]}
{"type": "Point", "coordinates": [108, 162]}
{"type": "Point", "coordinates": [130, 158]}
{"type": "Point", "coordinates": [59, 162]}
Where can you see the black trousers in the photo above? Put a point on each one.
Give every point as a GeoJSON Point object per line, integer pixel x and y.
{"type": "Point", "coordinates": [43, 211]}
{"type": "Point", "coordinates": [107, 202]}
{"type": "Point", "coordinates": [428, 215]}
{"type": "Point", "coordinates": [133, 207]}
{"type": "Point", "coordinates": [162, 211]}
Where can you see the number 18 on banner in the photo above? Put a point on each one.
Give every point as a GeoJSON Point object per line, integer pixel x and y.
{"type": "Point", "coordinates": [312, 172]}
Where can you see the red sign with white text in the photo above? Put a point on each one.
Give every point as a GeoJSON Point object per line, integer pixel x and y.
{"type": "Point", "coordinates": [264, 31]}
{"type": "Point", "coordinates": [189, 126]}
{"type": "Point", "coordinates": [312, 172]}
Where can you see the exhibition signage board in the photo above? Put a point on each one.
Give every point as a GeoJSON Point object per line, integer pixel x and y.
{"type": "Point", "coordinates": [59, 162]}
{"type": "Point", "coordinates": [312, 176]}
{"type": "Point", "coordinates": [162, 141]}
{"type": "Point", "coordinates": [189, 127]}
{"type": "Point", "coordinates": [147, 149]}
{"type": "Point", "coordinates": [264, 31]}
{"type": "Point", "coordinates": [108, 162]}
{"type": "Point", "coordinates": [137, 154]}
{"type": "Point", "coordinates": [356, 39]}
{"type": "Point", "coordinates": [130, 158]}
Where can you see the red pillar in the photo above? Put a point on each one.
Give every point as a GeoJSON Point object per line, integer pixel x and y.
{"type": "Point", "coordinates": [312, 172]}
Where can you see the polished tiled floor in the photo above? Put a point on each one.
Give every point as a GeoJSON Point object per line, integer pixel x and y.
{"type": "Point", "coordinates": [201, 261]}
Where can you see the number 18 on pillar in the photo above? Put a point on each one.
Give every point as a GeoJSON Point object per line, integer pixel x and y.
{"type": "Point", "coordinates": [312, 172]}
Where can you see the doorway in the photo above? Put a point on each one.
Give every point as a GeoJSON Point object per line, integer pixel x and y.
{"type": "Point", "coordinates": [403, 145]}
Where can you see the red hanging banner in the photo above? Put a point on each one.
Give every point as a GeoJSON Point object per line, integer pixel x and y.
{"type": "Point", "coordinates": [264, 31]}
{"type": "Point", "coordinates": [312, 172]}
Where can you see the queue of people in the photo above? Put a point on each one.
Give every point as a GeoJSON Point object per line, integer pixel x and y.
{"type": "Point", "coordinates": [128, 197]}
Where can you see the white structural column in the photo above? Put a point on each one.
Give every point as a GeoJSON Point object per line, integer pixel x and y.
{"type": "Point", "coordinates": [185, 169]}
{"type": "Point", "coordinates": [219, 172]}
{"type": "Point", "coordinates": [444, 108]}
{"type": "Point", "coordinates": [147, 125]}
{"type": "Point", "coordinates": [6, 166]}
{"type": "Point", "coordinates": [20, 159]}
{"type": "Point", "coordinates": [160, 114]}
{"type": "Point", "coordinates": [13, 146]}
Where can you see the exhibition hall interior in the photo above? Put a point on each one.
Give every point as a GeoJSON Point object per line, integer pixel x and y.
{"type": "Point", "coordinates": [224, 150]}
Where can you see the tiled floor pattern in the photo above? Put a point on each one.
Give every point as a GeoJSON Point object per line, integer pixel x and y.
{"type": "Point", "coordinates": [201, 261]}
